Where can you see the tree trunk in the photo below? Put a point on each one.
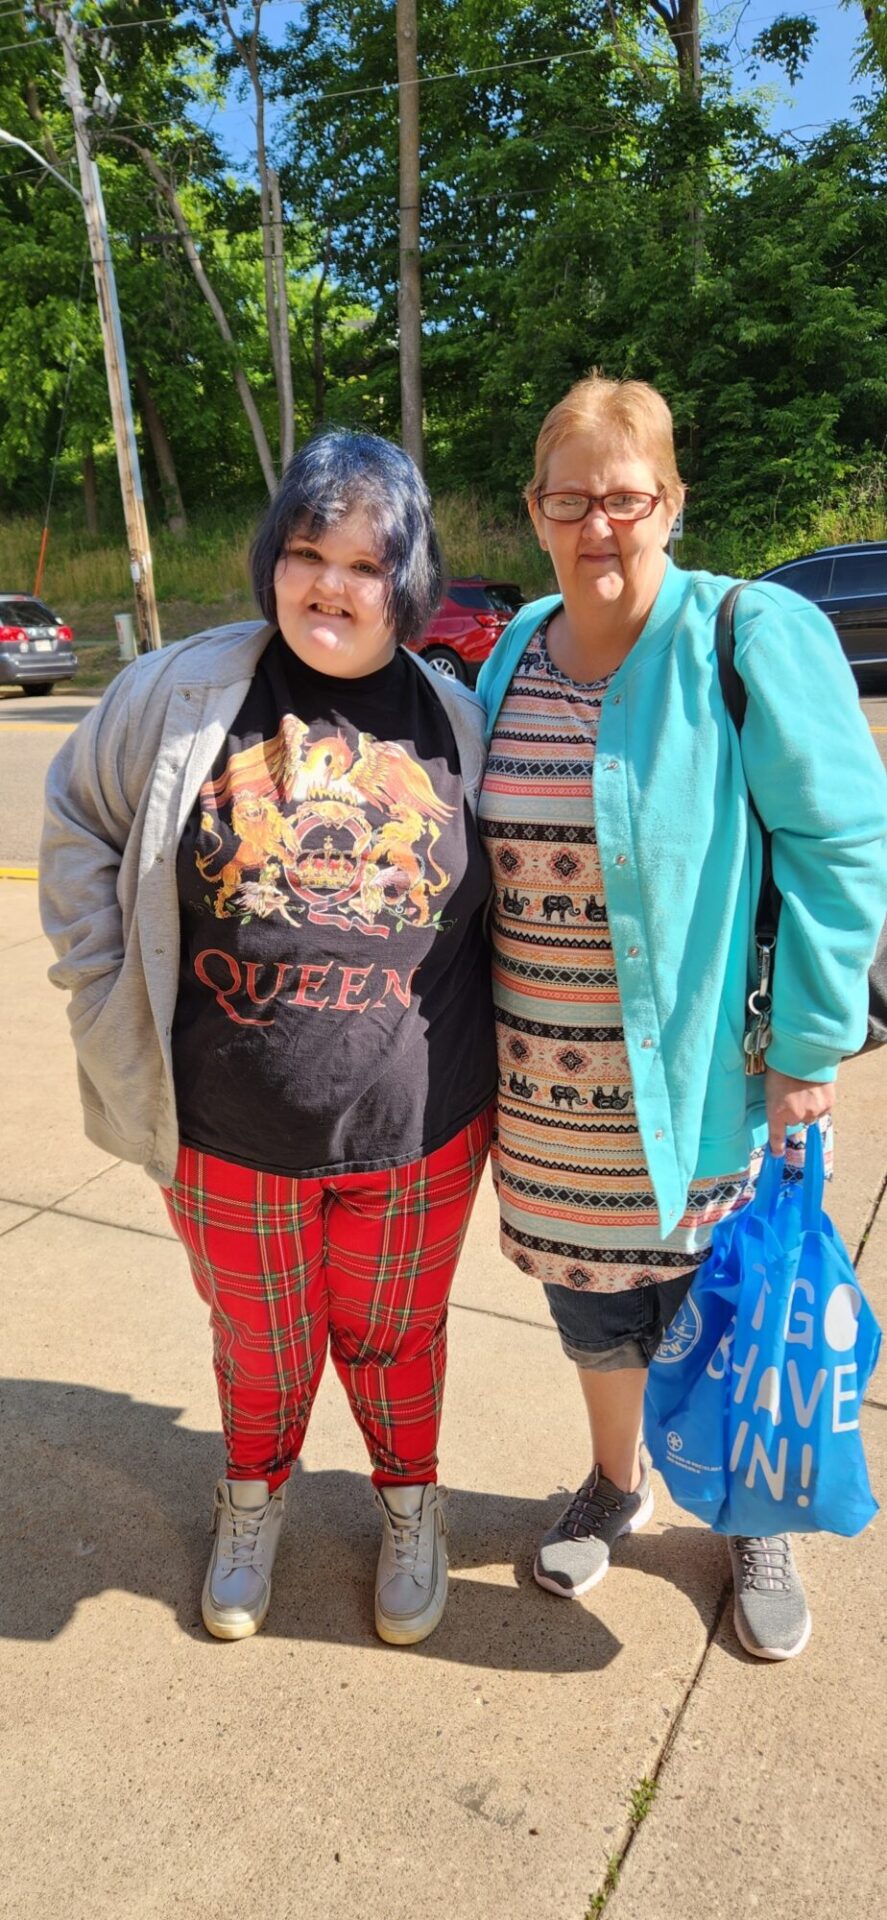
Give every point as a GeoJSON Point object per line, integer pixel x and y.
{"type": "Point", "coordinates": [276, 305]}
{"type": "Point", "coordinates": [90, 492]}
{"type": "Point", "coordinates": [247, 401]}
{"type": "Point", "coordinates": [173, 504]}
{"type": "Point", "coordinates": [681, 21]}
{"type": "Point", "coordinates": [409, 299]}
{"type": "Point", "coordinates": [287, 422]}
{"type": "Point", "coordinates": [318, 357]}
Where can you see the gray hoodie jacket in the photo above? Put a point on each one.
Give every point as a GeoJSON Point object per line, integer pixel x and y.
{"type": "Point", "coordinates": [117, 799]}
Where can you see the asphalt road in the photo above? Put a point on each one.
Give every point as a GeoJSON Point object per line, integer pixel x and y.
{"type": "Point", "coordinates": [31, 732]}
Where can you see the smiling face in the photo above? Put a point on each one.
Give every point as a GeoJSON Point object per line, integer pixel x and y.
{"type": "Point", "coordinates": [614, 566]}
{"type": "Point", "coordinates": [331, 593]}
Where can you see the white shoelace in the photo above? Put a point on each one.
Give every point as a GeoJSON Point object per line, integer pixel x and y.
{"type": "Point", "coordinates": [245, 1524]}
{"type": "Point", "coordinates": [405, 1534]}
{"type": "Point", "coordinates": [765, 1563]}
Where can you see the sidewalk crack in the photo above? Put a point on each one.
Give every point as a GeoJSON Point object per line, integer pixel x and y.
{"type": "Point", "coordinates": [600, 1899]}
{"type": "Point", "coordinates": [872, 1217]}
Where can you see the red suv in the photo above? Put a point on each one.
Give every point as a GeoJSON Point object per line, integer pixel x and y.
{"type": "Point", "coordinates": [476, 610]}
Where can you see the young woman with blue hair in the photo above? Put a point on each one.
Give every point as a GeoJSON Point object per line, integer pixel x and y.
{"type": "Point", "coordinates": [262, 876]}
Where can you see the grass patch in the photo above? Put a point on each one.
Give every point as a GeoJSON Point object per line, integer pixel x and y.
{"type": "Point", "coordinates": [88, 571]}
{"type": "Point", "coordinates": [642, 1798]}
{"type": "Point", "coordinates": [640, 1802]}
{"type": "Point", "coordinates": [609, 1884]}
{"type": "Point", "coordinates": [210, 566]}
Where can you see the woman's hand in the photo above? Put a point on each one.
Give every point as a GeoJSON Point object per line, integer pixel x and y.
{"type": "Point", "coordinates": [793, 1103]}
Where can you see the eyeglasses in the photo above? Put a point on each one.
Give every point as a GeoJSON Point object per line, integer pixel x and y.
{"type": "Point", "coordinates": [616, 506]}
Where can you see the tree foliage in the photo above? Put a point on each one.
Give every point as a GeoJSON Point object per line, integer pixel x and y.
{"type": "Point", "coordinates": [584, 203]}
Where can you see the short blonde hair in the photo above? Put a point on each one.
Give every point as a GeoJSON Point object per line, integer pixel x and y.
{"type": "Point", "coordinates": [629, 412]}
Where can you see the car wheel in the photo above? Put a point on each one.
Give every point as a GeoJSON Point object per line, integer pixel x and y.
{"type": "Point", "coordinates": [42, 686]}
{"type": "Point", "coordinates": [445, 661]}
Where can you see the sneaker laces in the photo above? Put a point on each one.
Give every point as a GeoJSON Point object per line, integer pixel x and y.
{"type": "Point", "coordinates": [245, 1525]}
{"type": "Point", "coordinates": [590, 1506]}
{"type": "Point", "coordinates": [405, 1534]}
{"type": "Point", "coordinates": [765, 1562]}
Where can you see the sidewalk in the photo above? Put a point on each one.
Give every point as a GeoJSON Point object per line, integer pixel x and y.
{"type": "Point", "coordinates": [312, 1772]}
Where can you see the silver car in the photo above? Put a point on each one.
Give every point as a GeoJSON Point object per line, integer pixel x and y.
{"type": "Point", "coordinates": [35, 646]}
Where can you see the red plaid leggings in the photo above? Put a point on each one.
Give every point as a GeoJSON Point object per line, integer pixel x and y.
{"type": "Point", "coordinates": [363, 1261]}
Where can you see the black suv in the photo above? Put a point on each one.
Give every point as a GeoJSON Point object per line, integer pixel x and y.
{"type": "Point", "coordinates": [850, 585]}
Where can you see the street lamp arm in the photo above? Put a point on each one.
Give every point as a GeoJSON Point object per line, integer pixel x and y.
{"type": "Point", "coordinates": [12, 140]}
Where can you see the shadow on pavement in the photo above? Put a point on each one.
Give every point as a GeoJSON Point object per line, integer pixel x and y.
{"type": "Point", "coordinates": [109, 1493]}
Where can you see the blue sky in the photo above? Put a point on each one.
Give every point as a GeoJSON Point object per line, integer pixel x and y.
{"type": "Point", "coordinates": [826, 90]}
{"type": "Point", "coordinates": [824, 93]}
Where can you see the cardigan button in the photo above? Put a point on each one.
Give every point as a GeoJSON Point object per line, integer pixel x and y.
{"type": "Point", "coordinates": [611, 764]}
{"type": "Point", "coordinates": [621, 859]}
{"type": "Point", "coordinates": [659, 1134]}
{"type": "Point", "coordinates": [633, 952]}
{"type": "Point", "coordinates": [647, 1042]}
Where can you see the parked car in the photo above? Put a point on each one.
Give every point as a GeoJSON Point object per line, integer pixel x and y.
{"type": "Point", "coordinates": [467, 626]}
{"type": "Point", "coordinates": [849, 583]}
{"type": "Point", "coordinates": [35, 646]}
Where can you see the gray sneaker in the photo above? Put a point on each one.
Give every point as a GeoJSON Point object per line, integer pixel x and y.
{"type": "Point", "coordinates": [770, 1611]}
{"type": "Point", "coordinates": [411, 1579]}
{"type": "Point", "coordinates": [237, 1589]}
{"type": "Point", "coordinates": [575, 1554]}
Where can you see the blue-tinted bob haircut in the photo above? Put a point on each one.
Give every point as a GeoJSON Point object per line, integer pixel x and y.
{"type": "Point", "coordinates": [338, 473]}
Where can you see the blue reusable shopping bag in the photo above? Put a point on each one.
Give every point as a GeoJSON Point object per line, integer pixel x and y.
{"type": "Point", "coordinates": [752, 1406]}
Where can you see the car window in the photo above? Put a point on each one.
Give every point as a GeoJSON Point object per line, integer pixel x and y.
{"type": "Point", "coordinates": [504, 597]}
{"type": "Point", "coordinates": [498, 597]}
{"type": "Point", "coordinates": [859, 573]}
{"type": "Point", "coordinates": [809, 577]}
{"type": "Point", "coordinates": [475, 597]}
{"type": "Point", "coordinates": [25, 613]}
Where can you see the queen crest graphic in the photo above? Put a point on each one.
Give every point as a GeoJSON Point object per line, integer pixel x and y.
{"type": "Point", "coordinates": [681, 1336]}
{"type": "Point", "coordinates": [341, 832]}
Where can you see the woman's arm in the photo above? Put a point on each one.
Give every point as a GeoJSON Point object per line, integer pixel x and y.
{"type": "Point", "coordinates": [819, 786]}
{"type": "Point", "coordinates": [87, 819]}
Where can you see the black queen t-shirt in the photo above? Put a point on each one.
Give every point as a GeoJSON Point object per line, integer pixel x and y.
{"type": "Point", "coordinates": [334, 1010]}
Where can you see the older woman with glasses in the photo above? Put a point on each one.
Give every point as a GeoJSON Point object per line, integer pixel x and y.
{"type": "Point", "coordinates": [262, 876]}
{"type": "Point", "coordinates": [616, 814]}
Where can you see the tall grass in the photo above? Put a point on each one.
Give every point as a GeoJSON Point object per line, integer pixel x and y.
{"type": "Point", "coordinates": [208, 569]}
{"type": "Point", "coordinates": [476, 540]}
{"type": "Point", "coordinates": [210, 564]}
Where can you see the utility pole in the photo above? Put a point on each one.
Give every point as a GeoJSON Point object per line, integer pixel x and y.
{"type": "Point", "coordinates": [140, 563]}
{"type": "Point", "coordinates": [409, 295]}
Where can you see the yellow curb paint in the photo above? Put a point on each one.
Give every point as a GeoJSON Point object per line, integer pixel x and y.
{"type": "Point", "coordinates": [18, 873]}
{"type": "Point", "coordinates": [39, 726]}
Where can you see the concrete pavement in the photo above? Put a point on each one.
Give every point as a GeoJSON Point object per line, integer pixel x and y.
{"type": "Point", "coordinates": [499, 1769]}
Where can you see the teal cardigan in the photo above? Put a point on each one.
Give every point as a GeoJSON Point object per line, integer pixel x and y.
{"type": "Point", "coordinates": [680, 858]}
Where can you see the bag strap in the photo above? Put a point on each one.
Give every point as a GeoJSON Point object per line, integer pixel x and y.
{"type": "Point", "coordinates": [732, 685]}
{"type": "Point", "coordinates": [768, 1186]}
{"type": "Point", "coordinates": [814, 1180]}
{"type": "Point", "coordinates": [736, 700]}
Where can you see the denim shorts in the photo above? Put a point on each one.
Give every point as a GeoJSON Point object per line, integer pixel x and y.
{"type": "Point", "coordinates": [603, 1331]}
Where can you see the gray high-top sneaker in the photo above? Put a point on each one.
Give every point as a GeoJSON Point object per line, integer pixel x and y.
{"type": "Point", "coordinates": [411, 1578]}
{"type": "Point", "coordinates": [770, 1611]}
{"type": "Point", "coordinates": [237, 1589]}
{"type": "Point", "coordinates": [575, 1554]}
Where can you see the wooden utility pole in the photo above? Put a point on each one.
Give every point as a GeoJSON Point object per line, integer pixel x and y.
{"type": "Point", "coordinates": [409, 296]}
{"type": "Point", "coordinates": [140, 564]}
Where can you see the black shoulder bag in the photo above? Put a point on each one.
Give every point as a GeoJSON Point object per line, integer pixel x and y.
{"type": "Point", "coordinates": [760, 1001]}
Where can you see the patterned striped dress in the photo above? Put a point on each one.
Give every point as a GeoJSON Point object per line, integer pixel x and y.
{"type": "Point", "coordinates": [577, 1208]}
